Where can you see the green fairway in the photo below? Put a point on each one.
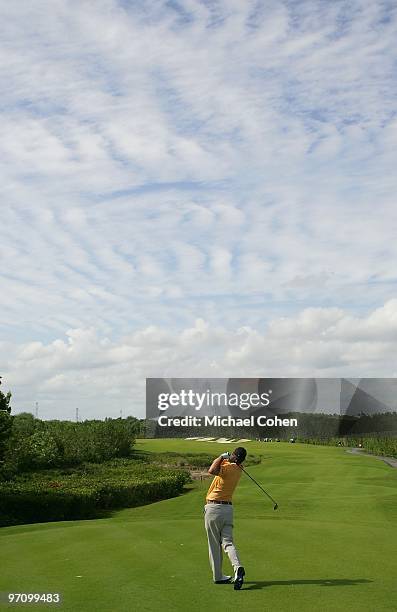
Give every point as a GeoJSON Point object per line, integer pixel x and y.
{"type": "Point", "coordinates": [331, 546]}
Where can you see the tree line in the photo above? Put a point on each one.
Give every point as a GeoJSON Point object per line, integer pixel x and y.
{"type": "Point", "coordinates": [28, 443]}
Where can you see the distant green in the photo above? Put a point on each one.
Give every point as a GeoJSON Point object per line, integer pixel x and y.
{"type": "Point", "coordinates": [330, 547]}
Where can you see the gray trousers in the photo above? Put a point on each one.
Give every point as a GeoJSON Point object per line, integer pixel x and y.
{"type": "Point", "coordinates": [219, 528]}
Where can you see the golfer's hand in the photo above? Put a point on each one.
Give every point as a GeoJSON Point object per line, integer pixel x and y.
{"type": "Point", "coordinates": [225, 455]}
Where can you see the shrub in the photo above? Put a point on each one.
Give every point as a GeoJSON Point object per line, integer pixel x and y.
{"type": "Point", "coordinates": [54, 495]}
{"type": "Point", "coordinates": [37, 444]}
{"type": "Point", "coordinates": [36, 451]}
{"type": "Point", "coordinates": [384, 446]}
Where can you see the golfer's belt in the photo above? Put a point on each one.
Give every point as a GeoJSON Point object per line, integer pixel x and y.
{"type": "Point", "coordinates": [217, 501]}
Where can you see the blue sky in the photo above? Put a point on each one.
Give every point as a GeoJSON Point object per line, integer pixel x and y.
{"type": "Point", "coordinates": [185, 181]}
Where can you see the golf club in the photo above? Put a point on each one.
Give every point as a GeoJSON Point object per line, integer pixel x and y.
{"type": "Point", "coordinates": [261, 488]}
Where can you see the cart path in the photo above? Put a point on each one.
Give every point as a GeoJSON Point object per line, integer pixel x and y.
{"type": "Point", "coordinates": [360, 451]}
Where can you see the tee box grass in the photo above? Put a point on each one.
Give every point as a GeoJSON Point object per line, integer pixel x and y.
{"type": "Point", "coordinates": [331, 545]}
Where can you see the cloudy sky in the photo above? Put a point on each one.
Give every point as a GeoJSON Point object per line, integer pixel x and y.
{"type": "Point", "coordinates": [194, 188]}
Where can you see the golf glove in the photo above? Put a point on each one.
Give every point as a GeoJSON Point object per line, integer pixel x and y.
{"type": "Point", "coordinates": [225, 455]}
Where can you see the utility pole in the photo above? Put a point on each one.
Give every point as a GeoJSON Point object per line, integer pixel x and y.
{"type": "Point", "coordinates": [36, 412]}
{"type": "Point", "coordinates": [121, 413]}
{"type": "Point", "coordinates": [77, 415]}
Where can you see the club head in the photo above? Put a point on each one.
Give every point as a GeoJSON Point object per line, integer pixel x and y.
{"type": "Point", "coordinates": [275, 506]}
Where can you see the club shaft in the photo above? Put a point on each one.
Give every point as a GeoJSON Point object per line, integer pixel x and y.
{"type": "Point", "coordinates": [258, 485]}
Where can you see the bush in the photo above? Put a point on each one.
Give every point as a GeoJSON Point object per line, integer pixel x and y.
{"type": "Point", "coordinates": [384, 446]}
{"type": "Point", "coordinates": [37, 444]}
{"type": "Point", "coordinates": [380, 446]}
{"type": "Point", "coordinates": [36, 451]}
{"type": "Point", "coordinates": [55, 495]}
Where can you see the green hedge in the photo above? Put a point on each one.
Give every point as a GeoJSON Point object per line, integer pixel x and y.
{"type": "Point", "coordinates": [380, 446]}
{"type": "Point", "coordinates": [383, 446]}
{"type": "Point", "coordinates": [33, 444]}
{"type": "Point", "coordinates": [86, 491]}
{"type": "Point", "coordinates": [55, 495]}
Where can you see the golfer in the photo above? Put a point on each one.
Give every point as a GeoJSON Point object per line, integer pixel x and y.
{"type": "Point", "coordinates": [218, 512]}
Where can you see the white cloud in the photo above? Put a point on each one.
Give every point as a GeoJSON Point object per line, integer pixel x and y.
{"type": "Point", "coordinates": [101, 376]}
{"type": "Point", "coordinates": [232, 162]}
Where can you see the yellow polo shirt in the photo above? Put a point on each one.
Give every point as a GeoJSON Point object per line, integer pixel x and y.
{"type": "Point", "coordinates": [223, 485]}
